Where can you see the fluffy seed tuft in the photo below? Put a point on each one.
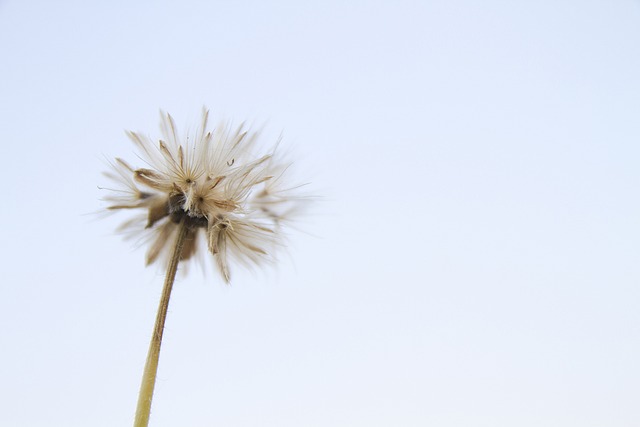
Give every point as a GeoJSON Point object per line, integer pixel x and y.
{"type": "Point", "coordinates": [215, 184]}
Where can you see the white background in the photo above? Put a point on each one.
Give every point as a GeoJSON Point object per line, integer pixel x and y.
{"type": "Point", "coordinates": [473, 260]}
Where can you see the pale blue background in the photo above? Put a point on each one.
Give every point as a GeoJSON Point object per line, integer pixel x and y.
{"type": "Point", "coordinates": [474, 260]}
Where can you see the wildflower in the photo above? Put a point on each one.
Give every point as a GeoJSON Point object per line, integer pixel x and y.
{"type": "Point", "coordinates": [210, 187]}
{"type": "Point", "coordinates": [213, 185]}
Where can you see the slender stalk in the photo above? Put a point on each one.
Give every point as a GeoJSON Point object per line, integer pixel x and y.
{"type": "Point", "coordinates": [151, 366]}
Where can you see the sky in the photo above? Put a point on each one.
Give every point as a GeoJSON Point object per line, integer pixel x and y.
{"type": "Point", "coordinates": [471, 258]}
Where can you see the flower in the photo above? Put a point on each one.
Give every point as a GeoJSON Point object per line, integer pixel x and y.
{"type": "Point", "coordinates": [214, 185]}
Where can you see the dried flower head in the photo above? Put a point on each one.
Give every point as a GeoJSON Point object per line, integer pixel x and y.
{"type": "Point", "coordinates": [213, 184]}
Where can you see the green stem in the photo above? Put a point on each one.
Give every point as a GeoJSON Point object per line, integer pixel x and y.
{"type": "Point", "coordinates": [151, 366]}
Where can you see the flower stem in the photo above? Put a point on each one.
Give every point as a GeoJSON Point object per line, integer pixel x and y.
{"type": "Point", "coordinates": [151, 366]}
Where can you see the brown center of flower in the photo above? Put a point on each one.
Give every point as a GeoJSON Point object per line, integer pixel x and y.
{"type": "Point", "coordinates": [178, 214]}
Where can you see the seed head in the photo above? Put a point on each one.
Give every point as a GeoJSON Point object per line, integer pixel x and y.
{"type": "Point", "coordinates": [214, 184]}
